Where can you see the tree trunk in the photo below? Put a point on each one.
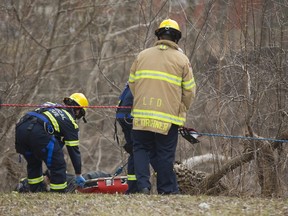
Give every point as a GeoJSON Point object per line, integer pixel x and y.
{"type": "Point", "coordinates": [267, 174]}
{"type": "Point", "coordinates": [211, 180]}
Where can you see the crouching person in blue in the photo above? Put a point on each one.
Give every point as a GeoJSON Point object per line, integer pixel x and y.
{"type": "Point", "coordinates": [125, 119]}
{"type": "Point", "coordinates": [40, 137]}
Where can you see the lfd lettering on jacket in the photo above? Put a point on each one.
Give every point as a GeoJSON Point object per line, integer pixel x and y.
{"type": "Point", "coordinates": [151, 125]}
{"type": "Point", "coordinates": [156, 102]}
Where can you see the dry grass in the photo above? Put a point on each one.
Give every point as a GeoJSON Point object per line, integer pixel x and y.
{"type": "Point", "coordinates": [104, 204]}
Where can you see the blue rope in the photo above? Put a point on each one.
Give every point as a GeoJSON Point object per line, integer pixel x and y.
{"type": "Point", "coordinates": [241, 137]}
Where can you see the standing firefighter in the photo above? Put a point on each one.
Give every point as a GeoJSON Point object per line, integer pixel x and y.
{"type": "Point", "coordinates": [41, 135]}
{"type": "Point", "coordinates": [163, 86]}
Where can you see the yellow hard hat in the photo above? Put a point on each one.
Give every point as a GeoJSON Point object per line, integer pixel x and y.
{"type": "Point", "coordinates": [169, 23]}
{"type": "Point", "coordinates": [80, 99]}
{"type": "Point", "coordinates": [169, 27]}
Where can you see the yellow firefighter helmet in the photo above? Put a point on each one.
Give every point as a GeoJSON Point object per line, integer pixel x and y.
{"type": "Point", "coordinates": [169, 23]}
{"type": "Point", "coordinates": [80, 99]}
{"type": "Point", "coordinates": [169, 27]}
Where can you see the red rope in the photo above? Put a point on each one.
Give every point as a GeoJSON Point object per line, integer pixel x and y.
{"type": "Point", "coordinates": [63, 106]}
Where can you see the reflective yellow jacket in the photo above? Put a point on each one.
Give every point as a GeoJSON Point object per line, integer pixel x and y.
{"type": "Point", "coordinates": [162, 83]}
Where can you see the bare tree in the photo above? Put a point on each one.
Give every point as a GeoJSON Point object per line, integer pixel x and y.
{"type": "Point", "coordinates": [238, 51]}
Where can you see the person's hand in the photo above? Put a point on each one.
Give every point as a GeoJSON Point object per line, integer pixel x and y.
{"type": "Point", "coordinates": [80, 181]}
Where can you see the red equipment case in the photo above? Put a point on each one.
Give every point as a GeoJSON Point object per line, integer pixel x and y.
{"type": "Point", "coordinates": [108, 185]}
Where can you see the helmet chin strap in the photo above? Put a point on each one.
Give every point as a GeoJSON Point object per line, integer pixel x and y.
{"type": "Point", "coordinates": [79, 115]}
{"type": "Point", "coordinates": [78, 112]}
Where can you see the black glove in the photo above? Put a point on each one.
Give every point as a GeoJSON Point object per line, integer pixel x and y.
{"type": "Point", "coordinates": [128, 148]}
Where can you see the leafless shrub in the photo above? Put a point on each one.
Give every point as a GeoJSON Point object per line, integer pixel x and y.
{"type": "Point", "coordinates": [238, 50]}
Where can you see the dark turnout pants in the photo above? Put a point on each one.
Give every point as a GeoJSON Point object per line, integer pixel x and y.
{"type": "Point", "coordinates": [126, 125]}
{"type": "Point", "coordinates": [36, 145]}
{"type": "Point", "coordinates": [163, 148]}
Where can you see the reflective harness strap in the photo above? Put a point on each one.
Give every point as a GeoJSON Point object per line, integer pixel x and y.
{"type": "Point", "coordinates": [50, 148]}
{"type": "Point", "coordinates": [46, 123]}
{"type": "Point", "coordinates": [115, 132]}
{"type": "Point", "coordinates": [49, 128]}
{"type": "Point", "coordinates": [123, 115]}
